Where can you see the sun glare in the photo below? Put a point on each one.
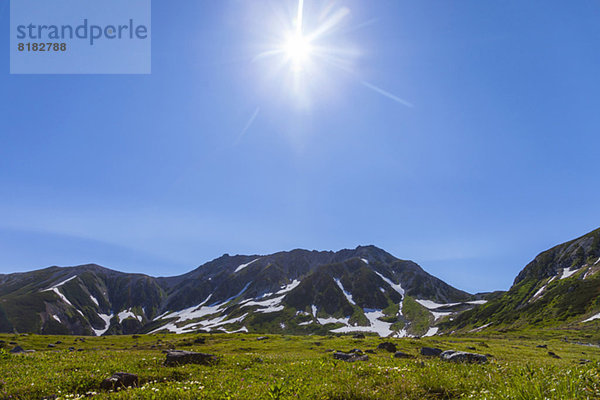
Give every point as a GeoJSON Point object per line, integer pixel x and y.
{"type": "Point", "coordinates": [298, 50]}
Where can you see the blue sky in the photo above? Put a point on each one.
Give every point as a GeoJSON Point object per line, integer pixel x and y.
{"type": "Point", "coordinates": [494, 159]}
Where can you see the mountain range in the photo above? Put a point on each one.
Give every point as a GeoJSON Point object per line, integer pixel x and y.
{"type": "Point", "coordinates": [364, 289]}
{"type": "Point", "coordinates": [361, 290]}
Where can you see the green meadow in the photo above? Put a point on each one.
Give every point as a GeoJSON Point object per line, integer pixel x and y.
{"type": "Point", "coordinates": [300, 367]}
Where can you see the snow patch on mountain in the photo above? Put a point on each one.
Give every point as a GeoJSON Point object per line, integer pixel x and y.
{"type": "Point", "coordinates": [476, 302]}
{"type": "Point", "coordinates": [62, 296]}
{"type": "Point", "coordinates": [242, 266]}
{"type": "Point", "coordinates": [268, 306]}
{"type": "Point", "coordinates": [332, 320]}
{"type": "Point", "coordinates": [396, 286]}
{"type": "Point", "coordinates": [239, 293]}
{"type": "Point", "coordinates": [380, 327]}
{"type": "Point", "coordinates": [59, 294]}
{"type": "Point", "coordinates": [242, 329]}
{"type": "Point", "coordinates": [538, 293]}
{"type": "Point", "coordinates": [432, 305]}
{"type": "Point", "coordinates": [206, 324]}
{"type": "Point", "coordinates": [567, 272]}
{"type": "Point", "coordinates": [289, 287]}
{"type": "Point", "coordinates": [60, 284]}
{"type": "Point", "coordinates": [95, 300]}
{"type": "Point", "coordinates": [480, 328]}
{"type": "Point", "coordinates": [593, 317]}
{"type": "Point", "coordinates": [438, 315]}
{"type": "Point", "coordinates": [127, 314]}
{"type": "Point", "coordinates": [106, 318]}
{"type": "Point", "coordinates": [193, 312]}
{"type": "Point", "coordinates": [432, 331]}
{"type": "Point", "coordinates": [346, 293]}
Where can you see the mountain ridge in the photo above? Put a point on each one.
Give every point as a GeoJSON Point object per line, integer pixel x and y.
{"type": "Point", "coordinates": [361, 289]}
{"type": "Point", "coordinates": [560, 287]}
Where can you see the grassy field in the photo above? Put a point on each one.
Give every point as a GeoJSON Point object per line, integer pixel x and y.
{"type": "Point", "coordinates": [298, 367]}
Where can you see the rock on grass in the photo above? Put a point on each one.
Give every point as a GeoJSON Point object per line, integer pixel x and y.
{"type": "Point", "coordinates": [350, 357]}
{"type": "Point", "coordinates": [387, 346]}
{"type": "Point", "coordinates": [180, 357]}
{"type": "Point", "coordinates": [119, 379]}
{"type": "Point", "coordinates": [463, 357]}
{"type": "Point", "coordinates": [430, 351]}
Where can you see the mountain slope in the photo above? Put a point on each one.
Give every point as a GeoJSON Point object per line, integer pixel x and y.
{"type": "Point", "coordinates": [300, 291]}
{"type": "Point", "coordinates": [560, 287]}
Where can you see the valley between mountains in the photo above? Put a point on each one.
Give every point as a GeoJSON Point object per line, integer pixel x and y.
{"type": "Point", "coordinates": [303, 292]}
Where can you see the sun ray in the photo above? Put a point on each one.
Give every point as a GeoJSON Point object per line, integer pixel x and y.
{"type": "Point", "coordinates": [300, 16]}
{"type": "Point", "coordinates": [386, 94]}
{"type": "Point", "coordinates": [329, 23]}
{"type": "Point", "coordinates": [247, 126]}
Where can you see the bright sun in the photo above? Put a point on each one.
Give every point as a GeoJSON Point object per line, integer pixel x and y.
{"type": "Point", "coordinates": [298, 50]}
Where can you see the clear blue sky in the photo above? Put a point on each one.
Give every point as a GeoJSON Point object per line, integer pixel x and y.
{"type": "Point", "coordinates": [215, 152]}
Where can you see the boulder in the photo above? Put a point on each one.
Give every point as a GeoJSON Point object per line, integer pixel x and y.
{"type": "Point", "coordinates": [200, 340]}
{"type": "Point", "coordinates": [400, 354]}
{"type": "Point", "coordinates": [119, 379]}
{"type": "Point", "coordinates": [542, 346]}
{"type": "Point", "coordinates": [463, 357]}
{"type": "Point", "coordinates": [262, 338]}
{"type": "Point", "coordinates": [358, 336]}
{"type": "Point", "coordinates": [430, 351]}
{"type": "Point", "coordinates": [17, 350]}
{"type": "Point", "coordinates": [180, 357]}
{"type": "Point", "coordinates": [50, 345]}
{"type": "Point", "coordinates": [553, 355]}
{"type": "Point", "coordinates": [350, 357]}
{"type": "Point", "coordinates": [387, 346]}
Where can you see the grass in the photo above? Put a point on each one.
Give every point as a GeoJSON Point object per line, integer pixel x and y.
{"type": "Point", "coordinates": [298, 367]}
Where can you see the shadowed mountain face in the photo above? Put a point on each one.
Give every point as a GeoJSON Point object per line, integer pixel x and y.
{"type": "Point", "coordinates": [300, 291]}
{"type": "Point", "coordinates": [560, 287]}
